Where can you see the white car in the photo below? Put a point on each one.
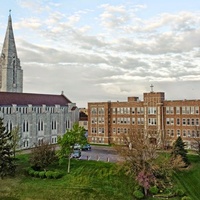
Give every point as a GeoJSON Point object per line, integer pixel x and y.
{"type": "Point", "coordinates": [77, 146]}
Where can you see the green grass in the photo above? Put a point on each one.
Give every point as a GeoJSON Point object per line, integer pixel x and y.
{"type": "Point", "coordinates": [87, 180]}
{"type": "Point", "coordinates": [189, 179]}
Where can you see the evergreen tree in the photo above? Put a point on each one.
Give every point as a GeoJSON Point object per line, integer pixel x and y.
{"type": "Point", "coordinates": [179, 150]}
{"type": "Point", "coordinates": [7, 166]}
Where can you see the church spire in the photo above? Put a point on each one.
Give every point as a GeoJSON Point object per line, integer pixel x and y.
{"type": "Point", "coordinates": [11, 74]}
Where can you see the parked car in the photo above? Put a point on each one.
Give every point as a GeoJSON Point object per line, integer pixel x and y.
{"type": "Point", "coordinates": [76, 153]}
{"type": "Point", "coordinates": [86, 147]}
{"type": "Point", "coordinates": [77, 146]}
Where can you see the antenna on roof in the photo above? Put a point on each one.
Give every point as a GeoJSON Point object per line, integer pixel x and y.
{"type": "Point", "coordinates": [62, 92]}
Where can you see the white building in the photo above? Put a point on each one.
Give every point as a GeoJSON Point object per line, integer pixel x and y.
{"type": "Point", "coordinates": [40, 117]}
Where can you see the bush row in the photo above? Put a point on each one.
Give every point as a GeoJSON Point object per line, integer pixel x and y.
{"type": "Point", "coordinates": [154, 191]}
{"type": "Point", "coordinates": [44, 174]}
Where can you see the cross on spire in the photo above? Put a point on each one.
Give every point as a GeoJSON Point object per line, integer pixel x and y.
{"type": "Point", "coordinates": [151, 86]}
{"type": "Point", "coordinates": [10, 12]}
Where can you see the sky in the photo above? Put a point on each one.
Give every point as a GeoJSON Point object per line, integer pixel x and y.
{"type": "Point", "coordinates": [106, 50]}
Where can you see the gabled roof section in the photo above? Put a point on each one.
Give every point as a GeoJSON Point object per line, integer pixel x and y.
{"type": "Point", "coordinates": [23, 99]}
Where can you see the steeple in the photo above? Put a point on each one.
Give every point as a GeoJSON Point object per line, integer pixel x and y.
{"type": "Point", "coordinates": [11, 74]}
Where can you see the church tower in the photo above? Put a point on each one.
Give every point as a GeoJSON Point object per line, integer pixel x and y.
{"type": "Point", "coordinates": [11, 74]}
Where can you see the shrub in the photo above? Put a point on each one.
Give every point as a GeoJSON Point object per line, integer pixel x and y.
{"type": "Point", "coordinates": [42, 174]}
{"type": "Point", "coordinates": [153, 190]}
{"type": "Point", "coordinates": [31, 172]}
{"type": "Point", "coordinates": [49, 174]}
{"type": "Point", "coordinates": [42, 156]}
{"type": "Point", "coordinates": [179, 192]}
{"type": "Point", "coordinates": [186, 198]}
{"type": "Point", "coordinates": [138, 194]}
{"type": "Point", "coordinates": [56, 174]}
{"type": "Point", "coordinates": [36, 173]}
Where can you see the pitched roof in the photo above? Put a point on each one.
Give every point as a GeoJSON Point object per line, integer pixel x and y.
{"type": "Point", "coordinates": [23, 99]}
{"type": "Point", "coordinates": [83, 116]}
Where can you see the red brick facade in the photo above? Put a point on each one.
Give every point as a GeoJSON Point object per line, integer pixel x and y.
{"type": "Point", "coordinates": [170, 119]}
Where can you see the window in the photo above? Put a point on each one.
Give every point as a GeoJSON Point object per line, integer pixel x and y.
{"type": "Point", "coordinates": [178, 133]}
{"type": "Point", "coordinates": [192, 110]}
{"type": "Point", "coordinates": [25, 126]}
{"type": "Point", "coordinates": [184, 133]}
{"type": "Point", "coordinates": [133, 120]}
{"type": "Point", "coordinates": [169, 110]}
{"type": "Point", "coordinates": [172, 133]}
{"type": "Point", "coordinates": [196, 110]}
{"type": "Point", "coordinates": [133, 110]}
{"type": "Point", "coordinates": [168, 121]}
{"type": "Point", "coordinates": [178, 121]}
{"type": "Point", "coordinates": [114, 130]}
{"type": "Point", "coordinates": [184, 122]}
{"type": "Point", "coordinates": [152, 121]}
{"type": "Point", "coordinates": [189, 134]}
{"type": "Point", "coordinates": [101, 111]}
{"type": "Point", "coordinates": [114, 121]}
{"type": "Point", "coordinates": [40, 125]}
{"type": "Point", "coordinates": [114, 110]}
{"type": "Point", "coordinates": [94, 130]}
{"type": "Point", "coordinates": [53, 124]}
{"type": "Point", "coordinates": [94, 111]}
{"type": "Point", "coordinates": [197, 122]}
{"type": "Point", "coordinates": [118, 120]}
{"type": "Point", "coordinates": [177, 110]}
{"type": "Point", "coordinates": [192, 121]}
{"type": "Point", "coordinates": [188, 121]}
{"type": "Point", "coordinates": [151, 110]}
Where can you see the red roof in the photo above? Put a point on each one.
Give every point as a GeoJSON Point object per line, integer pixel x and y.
{"type": "Point", "coordinates": [9, 98]}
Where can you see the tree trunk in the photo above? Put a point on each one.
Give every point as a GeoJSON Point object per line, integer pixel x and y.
{"type": "Point", "coordinates": [68, 169]}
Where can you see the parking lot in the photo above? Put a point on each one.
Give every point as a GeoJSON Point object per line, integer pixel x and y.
{"type": "Point", "coordinates": [100, 153]}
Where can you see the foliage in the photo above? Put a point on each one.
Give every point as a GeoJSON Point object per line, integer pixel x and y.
{"type": "Point", "coordinates": [42, 156]}
{"type": "Point", "coordinates": [68, 140]}
{"type": "Point", "coordinates": [179, 150]}
{"type": "Point", "coordinates": [138, 194]}
{"type": "Point", "coordinates": [196, 145]}
{"type": "Point", "coordinates": [179, 192]}
{"type": "Point", "coordinates": [42, 174]}
{"type": "Point", "coordinates": [145, 179]}
{"type": "Point", "coordinates": [153, 190]}
{"type": "Point", "coordinates": [49, 174]}
{"type": "Point", "coordinates": [7, 166]}
{"type": "Point", "coordinates": [186, 198]}
{"type": "Point", "coordinates": [139, 153]}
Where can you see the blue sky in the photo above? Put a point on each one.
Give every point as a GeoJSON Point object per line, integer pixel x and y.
{"type": "Point", "coordinates": [107, 50]}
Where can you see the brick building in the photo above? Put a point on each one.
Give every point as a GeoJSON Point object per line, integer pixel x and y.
{"type": "Point", "coordinates": [169, 119]}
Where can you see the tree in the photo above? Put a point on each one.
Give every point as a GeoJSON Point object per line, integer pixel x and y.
{"type": "Point", "coordinates": [196, 145]}
{"type": "Point", "coordinates": [138, 150]}
{"type": "Point", "coordinates": [7, 166]}
{"type": "Point", "coordinates": [42, 156]}
{"type": "Point", "coordinates": [15, 139]}
{"type": "Point", "coordinates": [68, 140]}
{"type": "Point", "coordinates": [179, 150]}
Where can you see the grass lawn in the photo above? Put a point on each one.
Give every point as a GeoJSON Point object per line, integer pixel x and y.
{"type": "Point", "coordinates": [189, 179]}
{"type": "Point", "coordinates": [87, 180]}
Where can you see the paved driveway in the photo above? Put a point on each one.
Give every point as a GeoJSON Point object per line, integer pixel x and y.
{"type": "Point", "coordinates": [100, 153]}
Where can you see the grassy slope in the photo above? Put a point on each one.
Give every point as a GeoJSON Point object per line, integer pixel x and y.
{"type": "Point", "coordinates": [189, 179]}
{"type": "Point", "coordinates": [87, 180]}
